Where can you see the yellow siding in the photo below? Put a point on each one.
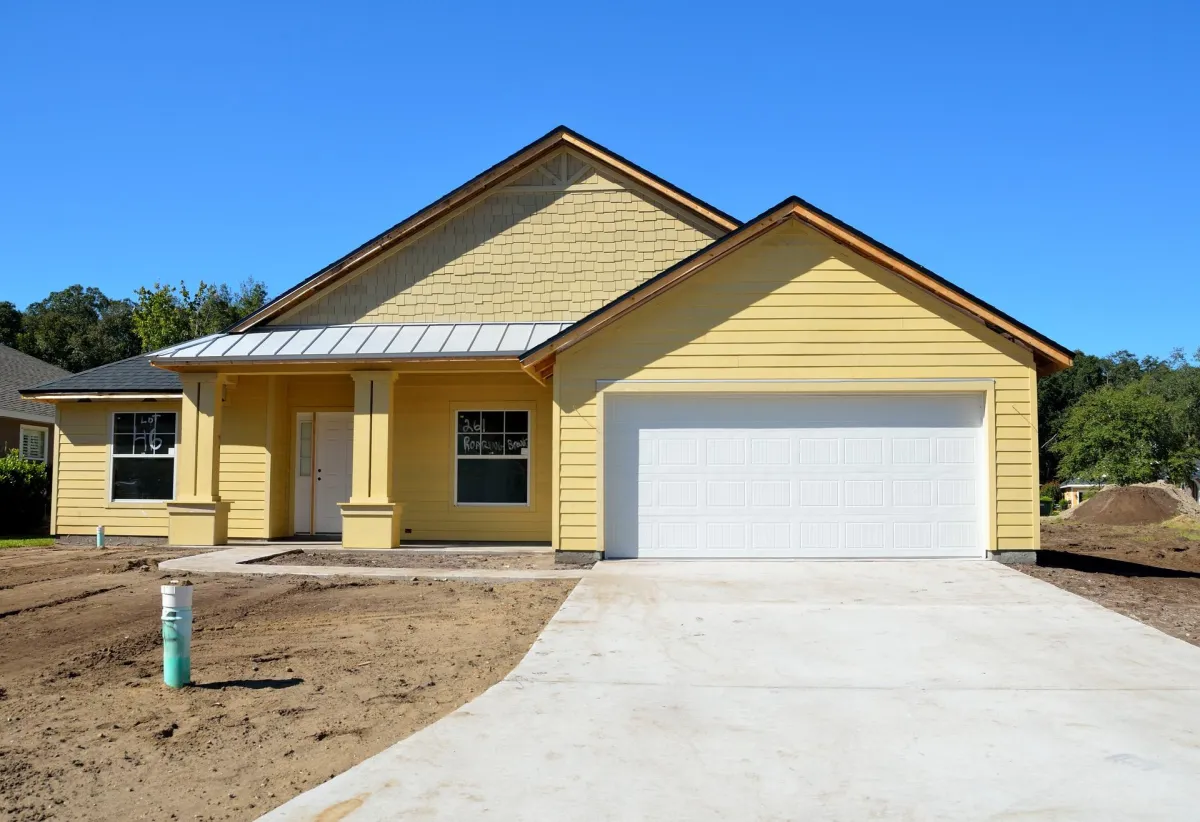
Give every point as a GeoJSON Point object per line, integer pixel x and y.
{"type": "Point", "coordinates": [82, 478]}
{"type": "Point", "coordinates": [795, 305]}
{"type": "Point", "coordinates": [536, 250]}
{"type": "Point", "coordinates": [83, 468]}
{"type": "Point", "coordinates": [424, 457]}
{"type": "Point", "coordinates": [243, 477]}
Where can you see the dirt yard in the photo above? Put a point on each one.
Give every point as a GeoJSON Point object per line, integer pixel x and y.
{"type": "Point", "coordinates": [1148, 572]}
{"type": "Point", "coordinates": [297, 680]}
{"type": "Point", "coordinates": [400, 558]}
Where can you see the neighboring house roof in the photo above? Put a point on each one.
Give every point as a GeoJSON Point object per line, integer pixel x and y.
{"type": "Point", "coordinates": [1078, 483]}
{"type": "Point", "coordinates": [132, 376]}
{"type": "Point", "coordinates": [1050, 356]}
{"type": "Point", "coordinates": [505, 170]}
{"type": "Point", "coordinates": [17, 371]}
{"type": "Point", "coordinates": [364, 341]}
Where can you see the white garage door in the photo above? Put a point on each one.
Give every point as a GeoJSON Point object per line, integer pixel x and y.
{"type": "Point", "coordinates": [789, 476]}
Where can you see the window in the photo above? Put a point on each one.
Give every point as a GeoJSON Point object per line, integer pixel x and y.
{"type": "Point", "coordinates": [305, 455]}
{"type": "Point", "coordinates": [33, 443]}
{"type": "Point", "coordinates": [143, 457]}
{"type": "Point", "coordinates": [492, 458]}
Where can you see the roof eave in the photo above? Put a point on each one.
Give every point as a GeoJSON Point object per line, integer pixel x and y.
{"type": "Point", "coordinates": [291, 361]}
{"type": "Point", "coordinates": [132, 394]}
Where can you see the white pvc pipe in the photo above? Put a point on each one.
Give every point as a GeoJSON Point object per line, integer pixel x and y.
{"type": "Point", "coordinates": [177, 633]}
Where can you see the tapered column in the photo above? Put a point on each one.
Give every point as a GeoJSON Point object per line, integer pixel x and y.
{"type": "Point", "coordinates": [371, 519]}
{"type": "Point", "coordinates": [197, 516]}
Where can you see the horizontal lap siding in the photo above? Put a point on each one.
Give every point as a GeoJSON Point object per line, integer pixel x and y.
{"type": "Point", "coordinates": [81, 467]}
{"type": "Point", "coordinates": [795, 306]}
{"type": "Point", "coordinates": [243, 476]}
{"type": "Point", "coordinates": [424, 458]}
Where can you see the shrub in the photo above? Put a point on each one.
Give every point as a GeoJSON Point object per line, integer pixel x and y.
{"type": "Point", "coordinates": [24, 494]}
{"type": "Point", "coordinates": [1051, 490]}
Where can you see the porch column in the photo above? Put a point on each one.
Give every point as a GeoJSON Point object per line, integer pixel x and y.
{"type": "Point", "coordinates": [371, 519]}
{"type": "Point", "coordinates": [197, 516]}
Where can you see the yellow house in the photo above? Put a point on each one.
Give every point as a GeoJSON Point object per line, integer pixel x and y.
{"type": "Point", "coordinates": [569, 349]}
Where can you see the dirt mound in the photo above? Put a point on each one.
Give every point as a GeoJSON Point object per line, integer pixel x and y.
{"type": "Point", "coordinates": [1132, 505]}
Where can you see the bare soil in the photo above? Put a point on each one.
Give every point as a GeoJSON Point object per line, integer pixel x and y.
{"type": "Point", "coordinates": [1174, 544]}
{"type": "Point", "coordinates": [401, 558]}
{"type": "Point", "coordinates": [296, 680]}
{"type": "Point", "coordinates": [1131, 505]}
{"type": "Point", "coordinates": [1148, 572]}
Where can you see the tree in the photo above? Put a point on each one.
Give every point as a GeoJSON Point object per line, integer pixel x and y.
{"type": "Point", "coordinates": [1057, 394]}
{"type": "Point", "coordinates": [165, 315]}
{"type": "Point", "coordinates": [1125, 435]}
{"type": "Point", "coordinates": [10, 324]}
{"type": "Point", "coordinates": [78, 329]}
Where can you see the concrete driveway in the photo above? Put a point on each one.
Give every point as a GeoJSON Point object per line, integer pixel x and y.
{"type": "Point", "coordinates": [805, 691]}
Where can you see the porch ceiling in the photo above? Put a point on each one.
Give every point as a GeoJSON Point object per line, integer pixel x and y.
{"type": "Point", "coordinates": [363, 341]}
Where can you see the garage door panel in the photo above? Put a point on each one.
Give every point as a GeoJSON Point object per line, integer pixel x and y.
{"type": "Point", "coordinates": [786, 476]}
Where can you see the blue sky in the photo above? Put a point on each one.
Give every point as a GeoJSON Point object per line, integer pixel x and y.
{"type": "Point", "coordinates": [1041, 155]}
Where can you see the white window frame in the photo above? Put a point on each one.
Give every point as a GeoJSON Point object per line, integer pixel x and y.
{"type": "Point", "coordinates": [45, 432]}
{"type": "Point", "coordinates": [112, 440]}
{"type": "Point", "coordinates": [528, 457]}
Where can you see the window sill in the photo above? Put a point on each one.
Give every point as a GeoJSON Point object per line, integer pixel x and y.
{"type": "Point", "coordinates": [492, 505]}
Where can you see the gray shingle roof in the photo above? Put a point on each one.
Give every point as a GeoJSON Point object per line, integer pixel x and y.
{"type": "Point", "coordinates": [131, 376]}
{"type": "Point", "coordinates": [19, 371]}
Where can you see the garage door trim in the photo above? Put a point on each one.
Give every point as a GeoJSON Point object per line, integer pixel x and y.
{"type": "Point", "coordinates": [829, 387]}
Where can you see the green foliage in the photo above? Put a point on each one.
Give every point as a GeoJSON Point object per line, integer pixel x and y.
{"type": "Point", "coordinates": [1125, 435]}
{"type": "Point", "coordinates": [1058, 394]}
{"type": "Point", "coordinates": [165, 315]}
{"type": "Point", "coordinates": [78, 328]}
{"type": "Point", "coordinates": [10, 324]}
{"type": "Point", "coordinates": [1051, 490]}
{"type": "Point", "coordinates": [24, 493]}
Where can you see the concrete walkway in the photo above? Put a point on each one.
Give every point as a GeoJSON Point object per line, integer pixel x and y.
{"type": "Point", "coordinates": [234, 560]}
{"type": "Point", "coordinates": [808, 691]}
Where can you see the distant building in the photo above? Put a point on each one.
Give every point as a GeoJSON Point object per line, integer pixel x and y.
{"type": "Point", "coordinates": [25, 425]}
{"type": "Point", "coordinates": [1073, 490]}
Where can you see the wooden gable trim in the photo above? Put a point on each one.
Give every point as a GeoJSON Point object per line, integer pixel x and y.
{"type": "Point", "coordinates": [477, 187]}
{"type": "Point", "coordinates": [1049, 355]}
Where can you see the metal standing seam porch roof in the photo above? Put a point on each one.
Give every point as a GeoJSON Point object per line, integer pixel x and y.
{"type": "Point", "coordinates": [358, 341]}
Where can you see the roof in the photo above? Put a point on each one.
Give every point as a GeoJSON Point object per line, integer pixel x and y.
{"type": "Point", "coordinates": [364, 341]}
{"type": "Point", "coordinates": [1049, 355]}
{"type": "Point", "coordinates": [505, 170]}
{"type": "Point", "coordinates": [131, 376]}
{"type": "Point", "coordinates": [17, 371]}
{"type": "Point", "coordinates": [1082, 483]}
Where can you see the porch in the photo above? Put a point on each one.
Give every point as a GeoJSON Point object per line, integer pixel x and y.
{"type": "Point", "coordinates": [411, 453]}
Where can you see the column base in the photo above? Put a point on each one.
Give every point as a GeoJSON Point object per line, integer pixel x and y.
{"type": "Point", "coordinates": [197, 523]}
{"type": "Point", "coordinates": [370, 524]}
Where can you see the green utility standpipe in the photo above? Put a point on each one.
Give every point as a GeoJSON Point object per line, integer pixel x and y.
{"type": "Point", "coordinates": [177, 633]}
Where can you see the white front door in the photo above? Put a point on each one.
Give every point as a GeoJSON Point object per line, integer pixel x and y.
{"type": "Point", "coordinates": [321, 476]}
{"type": "Point", "coordinates": [794, 476]}
{"type": "Point", "coordinates": [334, 434]}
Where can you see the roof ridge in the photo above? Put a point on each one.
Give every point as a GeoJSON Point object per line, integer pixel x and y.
{"type": "Point", "coordinates": [470, 190]}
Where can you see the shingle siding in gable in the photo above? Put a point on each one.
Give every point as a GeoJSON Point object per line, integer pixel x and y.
{"type": "Point", "coordinates": [529, 255]}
